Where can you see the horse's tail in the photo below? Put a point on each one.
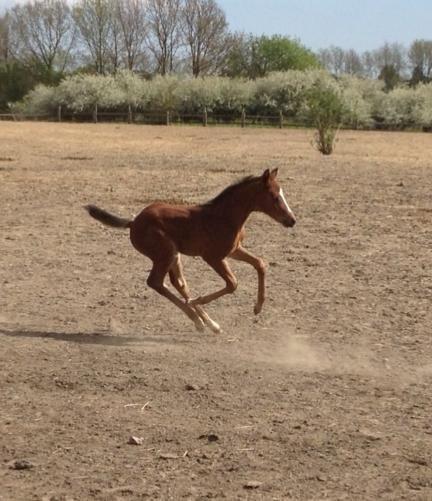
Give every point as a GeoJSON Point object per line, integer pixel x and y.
{"type": "Point", "coordinates": [106, 218]}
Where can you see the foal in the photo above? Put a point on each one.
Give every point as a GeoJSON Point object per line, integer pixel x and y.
{"type": "Point", "coordinates": [213, 231]}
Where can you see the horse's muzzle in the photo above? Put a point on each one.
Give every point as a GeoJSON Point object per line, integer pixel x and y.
{"type": "Point", "coordinates": [289, 223]}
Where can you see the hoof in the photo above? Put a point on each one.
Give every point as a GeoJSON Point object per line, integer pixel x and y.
{"type": "Point", "coordinates": [211, 324]}
{"type": "Point", "coordinates": [215, 327]}
{"type": "Point", "coordinates": [257, 309]}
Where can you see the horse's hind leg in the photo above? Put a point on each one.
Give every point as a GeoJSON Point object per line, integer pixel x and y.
{"type": "Point", "coordinates": [179, 282]}
{"type": "Point", "coordinates": [156, 282]}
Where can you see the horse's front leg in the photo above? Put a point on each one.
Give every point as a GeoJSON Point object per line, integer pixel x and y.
{"type": "Point", "coordinates": [223, 270]}
{"type": "Point", "coordinates": [241, 254]}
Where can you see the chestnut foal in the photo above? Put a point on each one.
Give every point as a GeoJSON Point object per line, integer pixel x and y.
{"type": "Point", "coordinates": [213, 231]}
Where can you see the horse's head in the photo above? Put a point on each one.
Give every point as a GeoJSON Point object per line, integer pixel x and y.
{"type": "Point", "coordinates": [271, 200]}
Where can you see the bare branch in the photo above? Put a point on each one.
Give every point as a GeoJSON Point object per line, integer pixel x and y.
{"type": "Point", "coordinates": [164, 38]}
{"type": "Point", "coordinates": [205, 30]}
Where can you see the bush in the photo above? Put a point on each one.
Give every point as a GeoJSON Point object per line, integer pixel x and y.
{"type": "Point", "coordinates": [399, 109]}
{"type": "Point", "coordinates": [195, 94]}
{"type": "Point", "coordinates": [311, 97]}
{"type": "Point", "coordinates": [164, 93]}
{"type": "Point", "coordinates": [132, 90]}
{"type": "Point", "coordinates": [217, 94]}
{"type": "Point", "coordinates": [284, 91]}
{"type": "Point", "coordinates": [40, 101]}
{"type": "Point", "coordinates": [325, 108]}
{"type": "Point", "coordinates": [233, 95]}
{"type": "Point", "coordinates": [423, 112]}
{"type": "Point", "coordinates": [359, 94]}
{"type": "Point", "coordinates": [83, 92]}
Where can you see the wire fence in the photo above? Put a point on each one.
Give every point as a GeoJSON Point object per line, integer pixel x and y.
{"type": "Point", "coordinates": [159, 118]}
{"type": "Point", "coordinates": [172, 117]}
{"type": "Point", "coordinates": [205, 119]}
{"type": "Point", "coordinates": [162, 118]}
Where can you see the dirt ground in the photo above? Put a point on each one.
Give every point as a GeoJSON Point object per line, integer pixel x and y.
{"type": "Point", "coordinates": [325, 395]}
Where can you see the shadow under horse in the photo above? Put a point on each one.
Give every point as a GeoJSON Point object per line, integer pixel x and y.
{"type": "Point", "coordinates": [213, 231]}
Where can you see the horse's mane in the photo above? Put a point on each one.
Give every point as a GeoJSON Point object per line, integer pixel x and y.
{"type": "Point", "coordinates": [229, 189]}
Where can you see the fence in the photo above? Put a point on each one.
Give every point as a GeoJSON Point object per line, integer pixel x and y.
{"type": "Point", "coordinates": [205, 118]}
{"type": "Point", "coordinates": [159, 118]}
{"type": "Point", "coordinates": [172, 117]}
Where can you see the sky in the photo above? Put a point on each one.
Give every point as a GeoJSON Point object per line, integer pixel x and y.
{"type": "Point", "coordinates": [357, 24]}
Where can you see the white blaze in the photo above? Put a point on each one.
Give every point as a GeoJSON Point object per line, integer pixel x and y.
{"type": "Point", "coordinates": [281, 194]}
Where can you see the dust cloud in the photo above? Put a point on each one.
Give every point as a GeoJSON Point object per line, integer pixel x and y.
{"type": "Point", "coordinates": [302, 354]}
{"type": "Point", "coordinates": [299, 353]}
{"type": "Point", "coordinates": [296, 353]}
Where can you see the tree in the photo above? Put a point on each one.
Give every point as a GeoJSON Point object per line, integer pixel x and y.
{"type": "Point", "coordinates": [279, 53]}
{"type": "Point", "coordinates": [353, 63]}
{"type": "Point", "coordinates": [391, 55]}
{"type": "Point", "coordinates": [333, 60]}
{"type": "Point", "coordinates": [390, 76]}
{"type": "Point", "coordinates": [238, 60]}
{"type": "Point", "coordinates": [369, 64]}
{"type": "Point", "coordinates": [254, 57]}
{"type": "Point", "coordinates": [164, 37]}
{"type": "Point", "coordinates": [94, 21]}
{"type": "Point", "coordinates": [339, 61]}
{"type": "Point", "coordinates": [4, 38]}
{"type": "Point", "coordinates": [132, 21]}
{"type": "Point", "coordinates": [20, 69]}
{"type": "Point", "coordinates": [418, 76]}
{"type": "Point", "coordinates": [420, 58]}
{"type": "Point", "coordinates": [43, 34]}
{"type": "Point", "coordinates": [115, 44]}
{"type": "Point", "coordinates": [205, 32]}
{"type": "Point", "coordinates": [15, 82]}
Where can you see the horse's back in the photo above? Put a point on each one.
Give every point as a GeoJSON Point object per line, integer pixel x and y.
{"type": "Point", "coordinates": [189, 229]}
{"type": "Point", "coordinates": [174, 225]}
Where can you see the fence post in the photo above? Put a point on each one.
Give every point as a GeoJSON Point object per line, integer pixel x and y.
{"type": "Point", "coordinates": [129, 114]}
{"type": "Point", "coordinates": [281, 119]}
{"type": "Point", "coordinates": [59, 113]}
{"type": "Point", "coordinates": [168, 118]}
{"type": "Point", "coordinates": [205, 117]}
{"type": "Point", "coordinates": [95, 113]}
{"type": "Point", "coordinates": [243, 117]}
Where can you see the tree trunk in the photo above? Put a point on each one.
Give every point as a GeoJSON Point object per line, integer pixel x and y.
{"type": "Point", "coordinates": [243, 118]}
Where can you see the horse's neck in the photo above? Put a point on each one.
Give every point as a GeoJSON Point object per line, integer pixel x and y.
{"type": "Point", "coordinates": [237, 206]}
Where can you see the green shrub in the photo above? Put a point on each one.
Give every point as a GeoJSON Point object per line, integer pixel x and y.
{"type": "Point", "coordinates": [325, 108]}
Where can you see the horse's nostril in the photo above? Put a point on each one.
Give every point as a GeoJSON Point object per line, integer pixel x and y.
{"type": "Point", "coordinates": [289, 223]}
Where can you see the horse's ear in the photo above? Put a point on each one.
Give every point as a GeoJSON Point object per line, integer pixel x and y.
{"type": "Point", "coordinates": [266, 176]}
{"type": "Point", "coordinates": [274, 173]}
